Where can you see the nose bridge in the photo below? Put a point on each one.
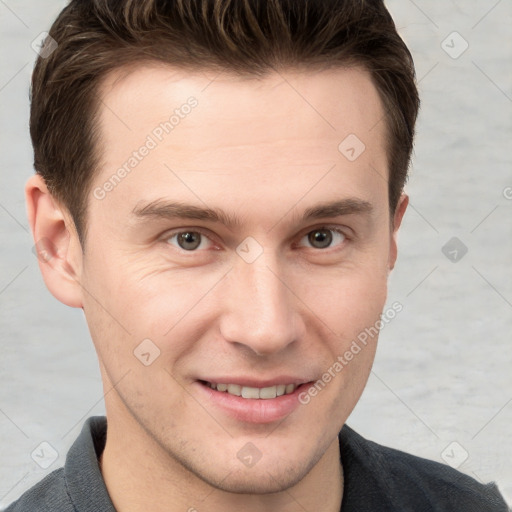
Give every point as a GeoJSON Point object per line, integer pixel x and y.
{"type": "Point", "coordinates": [260, 312]}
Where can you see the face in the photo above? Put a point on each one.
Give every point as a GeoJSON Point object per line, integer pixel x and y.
{"type": "Point", "coordinates": [244, 247]}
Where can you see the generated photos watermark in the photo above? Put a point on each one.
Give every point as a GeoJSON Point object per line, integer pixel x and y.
{"type": "Point", "coordinates": [153, 139]}
{"type": "Point", "coordinates": [355, 348]}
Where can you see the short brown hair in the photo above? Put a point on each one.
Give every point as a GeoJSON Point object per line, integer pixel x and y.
{"type": "Point", "coordinates": [247, 37]}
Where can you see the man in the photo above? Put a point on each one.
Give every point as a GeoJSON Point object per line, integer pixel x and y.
{"type": "Point", "coordinates": [229, 336]}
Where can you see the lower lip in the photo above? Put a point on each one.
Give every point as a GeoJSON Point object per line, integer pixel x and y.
{"type": "Point", "coordinates": [253, 410]}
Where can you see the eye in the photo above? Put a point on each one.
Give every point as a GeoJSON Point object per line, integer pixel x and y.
{"type": "Point", "coordinates": [189, 240]}
{"type": "Point", "coordinates": [322, 238]}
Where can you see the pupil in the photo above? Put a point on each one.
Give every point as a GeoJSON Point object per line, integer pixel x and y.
{"type": "Point", "coordinates": [321, 237]}
{"type": "Point", "coordinates": [189, 240]}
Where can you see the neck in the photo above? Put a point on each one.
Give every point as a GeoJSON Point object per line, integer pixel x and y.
{"type": "Point", "coordinates": [139, 476]}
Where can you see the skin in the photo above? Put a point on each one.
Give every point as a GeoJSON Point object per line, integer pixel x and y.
{"type": "Point", "coordinates": [258, 150]}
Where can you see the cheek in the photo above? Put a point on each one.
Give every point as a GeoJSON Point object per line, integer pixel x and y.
{"type": "Point", "coordinates": [347, 299]}
{"type": "Point", "coordinates": [131, 302]}
{"type": "Point", "coordinates": [351, 311]}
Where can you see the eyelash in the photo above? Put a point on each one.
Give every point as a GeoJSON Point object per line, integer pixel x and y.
{"type": "Point", "coordinates": [205, 234]}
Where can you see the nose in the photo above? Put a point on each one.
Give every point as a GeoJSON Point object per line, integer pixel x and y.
{"type": "Point", "coordinates": [260, 310]}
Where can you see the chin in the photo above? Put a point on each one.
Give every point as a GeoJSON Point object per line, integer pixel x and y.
{"type": "Point", "coordinates": [266, 480]}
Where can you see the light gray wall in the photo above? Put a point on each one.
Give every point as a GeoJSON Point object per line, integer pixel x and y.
{"type": "Point", "coordinates": [443, 369]}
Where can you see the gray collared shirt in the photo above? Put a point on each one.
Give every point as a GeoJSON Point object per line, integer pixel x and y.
{"type": "Point", "coordinates": [79, 485]}
{"type": "Point", "coordinates": [376, 479]}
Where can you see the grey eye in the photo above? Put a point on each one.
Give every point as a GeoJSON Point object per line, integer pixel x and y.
{"type": "Point", "coordinates": [324, 237]}
{"type": "Point", "coordinates": [320, 238]}
{"type": "Point", "coordinates": [188, 240]}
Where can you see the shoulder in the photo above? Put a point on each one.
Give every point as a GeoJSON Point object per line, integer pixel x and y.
{"type": "Point", "coordinates": [79, 484]}
{"type": "Point", "coordinates": [48, 495]}
{"type": "Point", "coordinates": [413, 481]}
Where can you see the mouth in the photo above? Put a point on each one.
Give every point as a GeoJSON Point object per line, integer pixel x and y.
{"type": "Point", "coordinates": [249, 401]}
{"type": "Point", "coordinates": [253, 393]}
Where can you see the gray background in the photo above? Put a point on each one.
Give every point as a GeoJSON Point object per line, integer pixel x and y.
{"type": "Point", "coordinates": [443, 367]}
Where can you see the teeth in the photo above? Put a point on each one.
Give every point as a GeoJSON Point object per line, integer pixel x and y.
{"type": "Point", "coordinates": [234, 389]}
{"type": "Point", "coordinates": [281, 388]}
{"type": "Point", "coordinates": [248, 392]}
{"type": "Point", "coordinates": [270, 392]}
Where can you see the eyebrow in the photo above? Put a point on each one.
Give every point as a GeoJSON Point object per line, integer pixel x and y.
{"type": "Point", "coordinates": [170, 210]}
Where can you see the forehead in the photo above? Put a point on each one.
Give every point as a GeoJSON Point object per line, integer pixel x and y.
{"type": "Point", "coordinates": [335, 100]}
{"type": "Point", "coordinates": [215, 135]}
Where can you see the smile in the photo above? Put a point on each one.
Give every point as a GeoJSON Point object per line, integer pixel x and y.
{"type": "Point", "coordinates": [254, 393]}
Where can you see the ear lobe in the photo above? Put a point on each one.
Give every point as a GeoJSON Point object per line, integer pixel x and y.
{"type": "Point", "coordinates": [56, 246]}
{"type": "Point", "coordinates": [397, 221]}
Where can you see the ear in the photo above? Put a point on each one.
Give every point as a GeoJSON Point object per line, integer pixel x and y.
{"type": "Point", "coordinates": [397, 220]}
{"type": "Point", "coordinates": [56, 246]}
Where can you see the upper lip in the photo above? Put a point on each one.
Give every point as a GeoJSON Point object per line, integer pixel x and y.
{"type": "Point", "coordinates": [257, 383]}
